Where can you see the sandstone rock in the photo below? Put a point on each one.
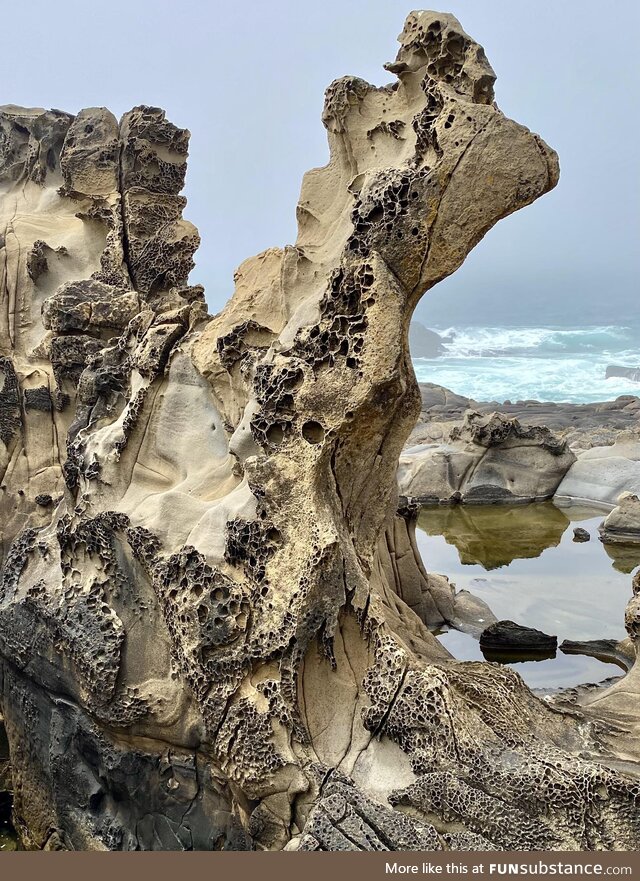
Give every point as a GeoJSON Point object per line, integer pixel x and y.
{"type": "Point", "coordinates": [487, 459]}
{"type": "Point", "coordinates": [600, 474]}
{"type": "Point", "coordinates": [622, 525]}
{"type": "Point", "coordinates": [207, 624]}
{"type": "Point", "coordinates": [424, 343]}
{"type": "Point", "coordinates": [582, 426]}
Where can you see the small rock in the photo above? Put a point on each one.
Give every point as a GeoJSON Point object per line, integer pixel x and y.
{"type": "Point", "coordinates": [580, 534]}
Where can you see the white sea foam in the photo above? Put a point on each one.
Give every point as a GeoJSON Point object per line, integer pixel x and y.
{"type": "Point", "coordinates": [539, 363]}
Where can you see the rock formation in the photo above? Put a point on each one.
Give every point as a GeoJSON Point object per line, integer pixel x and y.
{"type": "Point", "coordinates": [486, 459]}
{"type": "Point", "coordinates": [203, 637]}
{"type": "Point", "coordinates": [424, 343]}
{"type": "Point", "coordinates": [582, 426]}
{"type": "Point", "coordinates": [632, 373]}
{"type": "Point", "coordinates": [601, 474]}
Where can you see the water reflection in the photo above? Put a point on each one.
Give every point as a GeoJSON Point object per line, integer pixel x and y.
{"type": "Point", "coordinates": [523, 562]}
{"type": "Point", "coordinates": [495, 535]}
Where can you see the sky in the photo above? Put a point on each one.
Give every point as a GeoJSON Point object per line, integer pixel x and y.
{"type": "Point", "coordinates": [248, 79]}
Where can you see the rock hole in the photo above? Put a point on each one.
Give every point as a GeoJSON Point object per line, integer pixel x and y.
{"type": "Point", "coordinates": [313, 432]}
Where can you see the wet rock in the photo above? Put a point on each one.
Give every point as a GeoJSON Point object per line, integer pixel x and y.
{"type": "Point", "coordinates": [580, 534]}
{"type": "Point", "coordinates": [621, 653]}
{"type": "Point", "coordinates": [507, 637]}
{"type": "Point", "coordinates": [225, 603]}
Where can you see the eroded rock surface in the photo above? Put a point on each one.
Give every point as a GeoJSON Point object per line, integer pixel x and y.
{"type": "Point", "coordinates": [207, 623]}
{"type": "Point", "coordinates": [601, 474]}
{"type": "Point", "coordinates": [582, 426]}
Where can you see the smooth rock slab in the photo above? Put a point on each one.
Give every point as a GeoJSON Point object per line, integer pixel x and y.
{"type": "Point", "coordinates": [601, 474]}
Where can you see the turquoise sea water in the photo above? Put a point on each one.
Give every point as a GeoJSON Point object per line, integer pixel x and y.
{"type": "Point", "coordinates": [541, 363]}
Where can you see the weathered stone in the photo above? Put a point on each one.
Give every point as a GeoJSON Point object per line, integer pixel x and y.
{"type": "Point", "coordinates": [580, 534]}
{"type": "Point", "coordinates": [486, 459]}
{"type": "Point", "coordinates": [582, 426]}
{"type": "Point", "coordinates": [601, 474]}
{"type": "Point", "coordinates": [622, 525]}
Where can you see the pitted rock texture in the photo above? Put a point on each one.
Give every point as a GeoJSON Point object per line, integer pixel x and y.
{"type": "Point", "coordinates": [214, 623]}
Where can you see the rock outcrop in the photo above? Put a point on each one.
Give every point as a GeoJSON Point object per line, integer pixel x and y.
{"type": "Point", "coordinates": [203, 638]}
{"type": "Point", "coordinates": [601, 474]}
{"type": "Point", "coordinates": [632, 373]}
{"type": "Point", "coordinates": [424, 343]}
{"type": "Point", "coordinates": [582, 426]}
{"type": "Point", "coordinates": [486, 459]}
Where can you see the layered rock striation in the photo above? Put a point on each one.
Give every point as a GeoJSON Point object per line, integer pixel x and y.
{"type": "Point", "coordinates": [213, 618]}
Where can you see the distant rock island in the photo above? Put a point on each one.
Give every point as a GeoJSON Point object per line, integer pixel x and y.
{"type": "Point", "coordinates": [215, 626]}
{"type": "Point", "coordinates": [424, 343]}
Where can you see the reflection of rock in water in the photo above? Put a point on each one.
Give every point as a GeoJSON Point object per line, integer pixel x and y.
{"type": "Point", "coordinates": [7, 833]}
{"type": "Point", "coordinates": [494, 536]}
{"type": "Point", "coordinates": [625, 557]}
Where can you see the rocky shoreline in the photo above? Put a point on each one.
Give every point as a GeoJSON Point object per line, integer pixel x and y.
{"type": "Point", "coordinates": [474, 452]}
{"type": "Point", "coordinates": [216, 631]}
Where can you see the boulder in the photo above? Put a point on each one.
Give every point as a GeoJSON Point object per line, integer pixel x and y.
{"type": "Point", "coordinates": [507, 636]}
{"type": "Point", "coordinates": [600, 474]}
{"type": "Point", "coordinates": [488, 459]}
{"type": "Point", "coordinates": [424, 343]}
{"type": "Point", "coordinates": [622, 525]}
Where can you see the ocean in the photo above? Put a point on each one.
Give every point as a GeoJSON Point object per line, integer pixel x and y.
{"type": "Point", "coordinates": [561, 364]}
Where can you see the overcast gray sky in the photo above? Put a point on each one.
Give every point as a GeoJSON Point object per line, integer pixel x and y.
{"type": "Point", "coordinates": [248, 78]}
